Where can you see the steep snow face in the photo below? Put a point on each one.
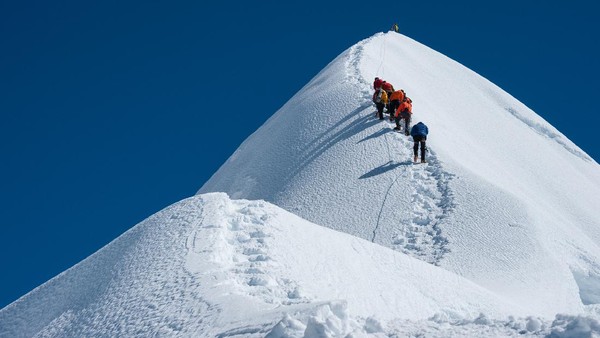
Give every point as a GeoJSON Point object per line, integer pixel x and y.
{"type": "Point", "coordinates": [505, 200]}
{"type": "Point", "coordinates": [209, 266]}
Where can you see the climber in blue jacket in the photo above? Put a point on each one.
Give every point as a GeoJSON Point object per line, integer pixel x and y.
{"type": "Point", "coordinates": [419, 134]}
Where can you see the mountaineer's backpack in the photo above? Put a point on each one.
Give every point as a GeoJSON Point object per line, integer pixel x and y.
{"type": "Point", "coordinates": [380, 96]}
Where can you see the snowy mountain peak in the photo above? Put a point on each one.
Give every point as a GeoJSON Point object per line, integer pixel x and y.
{"type": "Point", "coordinates": [320, 225]}
{"type": "Point", "coordinates": [505, 200]}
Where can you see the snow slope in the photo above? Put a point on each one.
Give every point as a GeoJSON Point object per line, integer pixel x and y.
{"type": "Point", "coordinates": [506, 200]}
{"type": "Point", "coordinates": [210, 266]}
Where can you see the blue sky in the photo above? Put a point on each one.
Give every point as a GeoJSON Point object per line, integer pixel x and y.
{"type": "Point", "coordinates": [113, 110]}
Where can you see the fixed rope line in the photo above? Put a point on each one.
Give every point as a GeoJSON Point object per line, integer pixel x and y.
{"type": "Point", "coordinates": [382, 57]}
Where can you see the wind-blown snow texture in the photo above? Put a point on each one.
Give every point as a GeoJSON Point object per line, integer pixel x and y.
{"type": "Point", "coordinates": [210, 266]}
{"type": "Point", "coordinates": [496, 236]}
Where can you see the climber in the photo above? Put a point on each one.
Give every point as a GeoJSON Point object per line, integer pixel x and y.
{"type": "Point", "coordinates": [377, 83]}
{"type": "Point", "coordinates": [380, 99]}
{"type": "Point", "coordinates": [404, 111]}
{"type": "Point", "coordinates": [389, 89]}
{"type": "Point", "coordinates": [394, 27]}
{"type": "Point", "coordinates": [395, 99]}
{"type": "Point", "coordinates": [419, 133]}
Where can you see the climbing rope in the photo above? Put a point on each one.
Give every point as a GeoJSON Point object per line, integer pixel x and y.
{"type": "Point", "coordinates": [381, 68]}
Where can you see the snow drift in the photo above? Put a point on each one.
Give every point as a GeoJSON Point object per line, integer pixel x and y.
{"type": "Point", "coordinates": [207, 266]}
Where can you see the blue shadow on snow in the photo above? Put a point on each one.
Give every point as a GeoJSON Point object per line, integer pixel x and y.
{"type": "Point", "coordinates": [382, 169]}
{"type": "Point", "coordinates": [377, 134]}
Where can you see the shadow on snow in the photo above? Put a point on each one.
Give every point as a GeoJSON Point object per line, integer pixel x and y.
{"type": "Point", "coordinates": [382, 169]}
{"type": "Point", "coordinates": [329, 138]}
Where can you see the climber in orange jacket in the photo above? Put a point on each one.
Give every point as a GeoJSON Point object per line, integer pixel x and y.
{"type": "Point", "coordinates": [404, 111]}
{"type": "Point", "coordinates": [395, 99]}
